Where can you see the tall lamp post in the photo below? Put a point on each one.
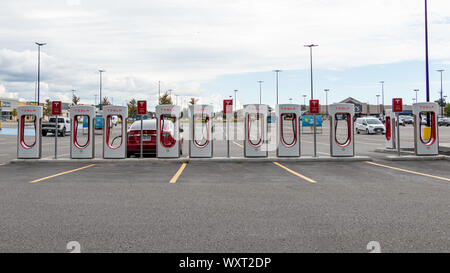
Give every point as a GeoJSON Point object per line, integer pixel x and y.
{"type": "Point", "coordinates": [39, 71]}
{"type": "Point", "coordinates": [442, 93]}
{"type": "Point", "coordinates": [277, 72]}
{"type": "Point", "coordinates": [304, 101]}
{"type": "Point", "coordinates": [235, 100]}
{"type": "Point", "coordinates": [326, 98]}
{"type": "Point", "coordinates": [382, 97]}
{"type": "Point", "coordinates": [260, 92]}
{"type": "Point", "coordinates": [378, 104]}
{"type": "Point", "coordinates": [417, 91]}
{"type": "Point", "coordinates": [101, 71]}
{"type": "Point", "coordinates": [311, 62]}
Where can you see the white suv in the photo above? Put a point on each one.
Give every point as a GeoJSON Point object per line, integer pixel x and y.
{"type": "Point", "coordinates": [369, 125]}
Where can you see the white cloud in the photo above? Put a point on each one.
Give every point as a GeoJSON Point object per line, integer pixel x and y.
{"type": "Point", "coordinates": [185, 43]}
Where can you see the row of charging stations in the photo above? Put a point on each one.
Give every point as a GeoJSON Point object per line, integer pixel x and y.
{"type": "Point", "coordinates": [342, 143]}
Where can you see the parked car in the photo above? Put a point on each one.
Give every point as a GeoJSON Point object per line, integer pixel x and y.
{"type": "Point", "coordinates": [369, 125]}
{"type": "Point", "coordinates": [444, 121]}
{"type": "Point", "coordinates": [150, 137]}
{"type": "Point", "coordinates": [63, 126]}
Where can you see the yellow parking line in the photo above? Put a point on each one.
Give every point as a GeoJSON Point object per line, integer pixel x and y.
{"type": "Point", "coordinates": [295, 173]}
{"type": "Point", "coordinates": [408, 171]}
{"type": "Point", "coordinates": [59, 174]}
{"type": "Point", "coordinates": [178, 174]}
{"type": "Point", "coordinates": [237, 144]}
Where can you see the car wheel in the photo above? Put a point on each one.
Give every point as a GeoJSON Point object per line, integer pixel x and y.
{"type": "Point", "coordinates": [367, 132]}
{"type": "Point", "coordinates": [358, 132]}
{"type": "Point", "coordinates": [44, 133]}
{"type": "Point", "coordinates": [63, 133]}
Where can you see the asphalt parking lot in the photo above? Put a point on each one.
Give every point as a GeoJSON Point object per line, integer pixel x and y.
{"type": "Point", "coordinates": [158, 206]}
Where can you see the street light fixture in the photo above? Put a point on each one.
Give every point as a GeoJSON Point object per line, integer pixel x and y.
{"type": "Point", "coordinates": [378, 104]}
{"type": "Point", "coordinates": [417, 91]}
{"type": "Point", "coordinates": [326, 98]}
{"type": "Point", "coordinates": [260, 83]}
{"type": "Point", "coordinates": [101, 71]}
{"type": "Point", "coordinates": [304, 101]}
{"type": "Point", "coordinates": [311, 62]}
{"type": "Point", "coordinates": [235, 101]}
{"type": "Point", "coordinates": [442, 93]}
{"type": "Point", "coordinates": [382, 96]}
{"type": "Point", "coordinates": [39, 70]}
{"type": "Point", "coordinates": [277, 71]}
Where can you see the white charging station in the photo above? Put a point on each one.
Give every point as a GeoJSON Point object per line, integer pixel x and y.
{"type": "Point", "coordinates": [391, 129]}
{"type": "Point", "coordinates": [426, 144]}
{"type": "Point", "coordinates": [115, 132]}
{"type": "Point", "coordinates": [256, 133]}
{"type": "Point", "coordinates": [342, 144]}
{"type": "Point", "coordinates": [168, 131]}
{"type": "Point", "coordinates": [82, 139]}
{"type": "Point", "coordinates": [288, 130]}
{"type": "Point", "coordinates": [32, 116]}
{"type": "Point", "coordinates": [201, 132]}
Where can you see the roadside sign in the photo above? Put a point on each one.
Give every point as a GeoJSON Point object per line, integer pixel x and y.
{"type": "Point", "coordinates": [314, 106]}
{"type": "Point", "coordinates": [56, 108]}
{"type": "Point", "coordinates": [227, 106]}
{"type": "Point", "coordinates": [397, 105]}
{"type": "Point", "coordinates": [142, 107]}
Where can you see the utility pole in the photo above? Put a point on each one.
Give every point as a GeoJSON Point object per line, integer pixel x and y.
{"type": "Point", "coordinates": [39, 71]}
{"type": "Point", "coordinates": [382, 97]}
{"type": "Point", "coordinates": [326, 98]}
{"type": "Point", "coordinates": [260, 92]}
{"type": "Point", "coordinates": [312, 95]}
{"type": "Point", "coordinates": [101, 98]}
{"type": "Point", "coordinates": [442, 93]}
{"type": "Point", "coordinates": [416, 90]}
{"type": "Point", "coordinates": [277, 72]}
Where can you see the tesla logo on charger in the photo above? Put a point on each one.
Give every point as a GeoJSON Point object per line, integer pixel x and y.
{"type": "Point", "coordinates": [427, 107]}
{"type": "Point", "coordinates": [397, 105]}
{"type": "Point", "coordinates": [142, 107]}
{"type": "Point", "coordinates": [81, 110]}
{"type": "Point", "coordinates": [56, 108]}
{"type": "Point", "coordinates": [314, 106]}
{"type": "Point", "coordinates": [114, 110]}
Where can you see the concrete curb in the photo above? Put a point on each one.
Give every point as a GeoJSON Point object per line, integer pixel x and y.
{"type": "Point", "coordinates": [188, 160]}
{"type": "Point", "coordinates": [417, 158]}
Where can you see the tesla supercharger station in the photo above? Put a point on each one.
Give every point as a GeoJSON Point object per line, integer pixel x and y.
{"type": "Point", "coordinates": [390, 123]}
{"type": "Point", "coordinates": [82, 142]}
{"type": "Point", "coordinates": [426, 144]}
{"type": "Point", "coordinates": [256, 144]}
{"type": "Point", "coordinates": [168, 131]}
{"type": "Point", "coordinates": [342, 113]}
{"type": "Point", "coordinates": [200, 128]}
{"type": "Point", "coordinates": [288, 130]}
{"type": "Point", "coordinates": [31, 115]}
{"type": "Point", "coordinates": [115, 144]}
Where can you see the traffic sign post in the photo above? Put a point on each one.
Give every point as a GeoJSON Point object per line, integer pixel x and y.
{"type": "Point", "coordinates": [227, 110]}
{"type": "Point", "coordinates": [397, 108]}
{"type": "Point", "coordinates": [314, 107]}
{"type": "Point", "coordinates": [56, 111]}
{"type": "Point", "coordinates": [142, 110]}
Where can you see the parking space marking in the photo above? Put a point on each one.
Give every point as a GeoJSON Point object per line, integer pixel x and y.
{"type": "Point", "coordinates": [178, 174]}
{"type": "Point", "coordinates": [409, 171]}
{"type": "Point", "coordinates": [59, 174]}
{"type": "Point", "coordinates": [295, 173]}
{"type": "Point", "coordinates": [237, 144]}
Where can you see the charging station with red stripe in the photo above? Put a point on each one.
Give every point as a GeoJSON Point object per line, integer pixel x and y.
{"type": "Point", "coordinates": [82, 138]}
{"type": "Point", "coordinates": [288, 130]}
{"type": "Point", "coordinates": [29, 146]}
{"type": "Point", "coordinates": [256, 144]}
{"type": "Point", "coordinates": [168, 131]}
{"type": "Point", "coordinates": [342, 137]}
{"type": "Point", "coordinates": [390, 123]}
{"type": "Point", "coordinates": [426, 129]}
{"type": "Point", "coordinates": [115, 132]}
{"type": "Point", "coordinates": [201, 131]}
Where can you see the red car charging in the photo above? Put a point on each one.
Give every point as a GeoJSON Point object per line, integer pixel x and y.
{"type": "Point", "coordinates": [149, 138]}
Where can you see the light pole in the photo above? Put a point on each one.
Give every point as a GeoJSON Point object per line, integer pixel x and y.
{"type": "Point", "coordinates": [101, 71]}
{"type": "Point", "coordinates": [290, 100]}
{"type": "Point", "coordinates": [382, 97]}
{"type": "Point", "coordinates": [378, 104]}
{"type": "Point", "coordinates": [304, 101]}
{"type": "Point", "coordinates": [39, 70]}
{"type": "Point", "coordinates": [95, 100]}
{"type": "Point", "coordinates": [277, 72]}
{"type": "Point", "coordinates": [326, 98]}
{"type": "Point", "coordinates": [311, 62]}
{"type": "Point", "coordinates": [417, 91]}
{"type": "Point", "coordinates": [442, 93]}
{"type": "Point", "coordinates": [260, 83]}
{"type": "Point", "coordinates": [159, 92]}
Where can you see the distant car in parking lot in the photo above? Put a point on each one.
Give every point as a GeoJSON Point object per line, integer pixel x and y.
{"type": "Point", "coordinates": [63, 126]}
{"type": "Point", "coordinates": [406, 120]}
{"type": "Point", "coordinates": [444, 121]}
{"type": "Point", "coordinates": [150, 137]}
{"type": "Point", "coordinates": [369, 125]}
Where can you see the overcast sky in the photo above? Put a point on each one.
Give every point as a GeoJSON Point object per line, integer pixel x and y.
{"type": "Point", "coordinates": [208, 48]}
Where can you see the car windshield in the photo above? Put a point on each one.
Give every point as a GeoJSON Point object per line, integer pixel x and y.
{"type": "Point", "coordinates": [60, 120]}
{"type": "Point", "coordinates": [148, 125]}
{"type": "Point", "coordinates": [373, 121]}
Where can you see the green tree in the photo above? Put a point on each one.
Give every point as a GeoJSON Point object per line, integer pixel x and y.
{"type": "Point", "coordinates": [165, 99]}
{"type": "Point", "coordinates": [132, 108]}
{"type": "Point", "coordinates": [447, 110]}
{"type": "Point", "coordinates": [48, 108]}
{"type": "Point", "coordinates": [106, 101]}
{"type": "Point", "coordinates": [75, 100]}
{"type": "Point", "coordinates": [193, 101]}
